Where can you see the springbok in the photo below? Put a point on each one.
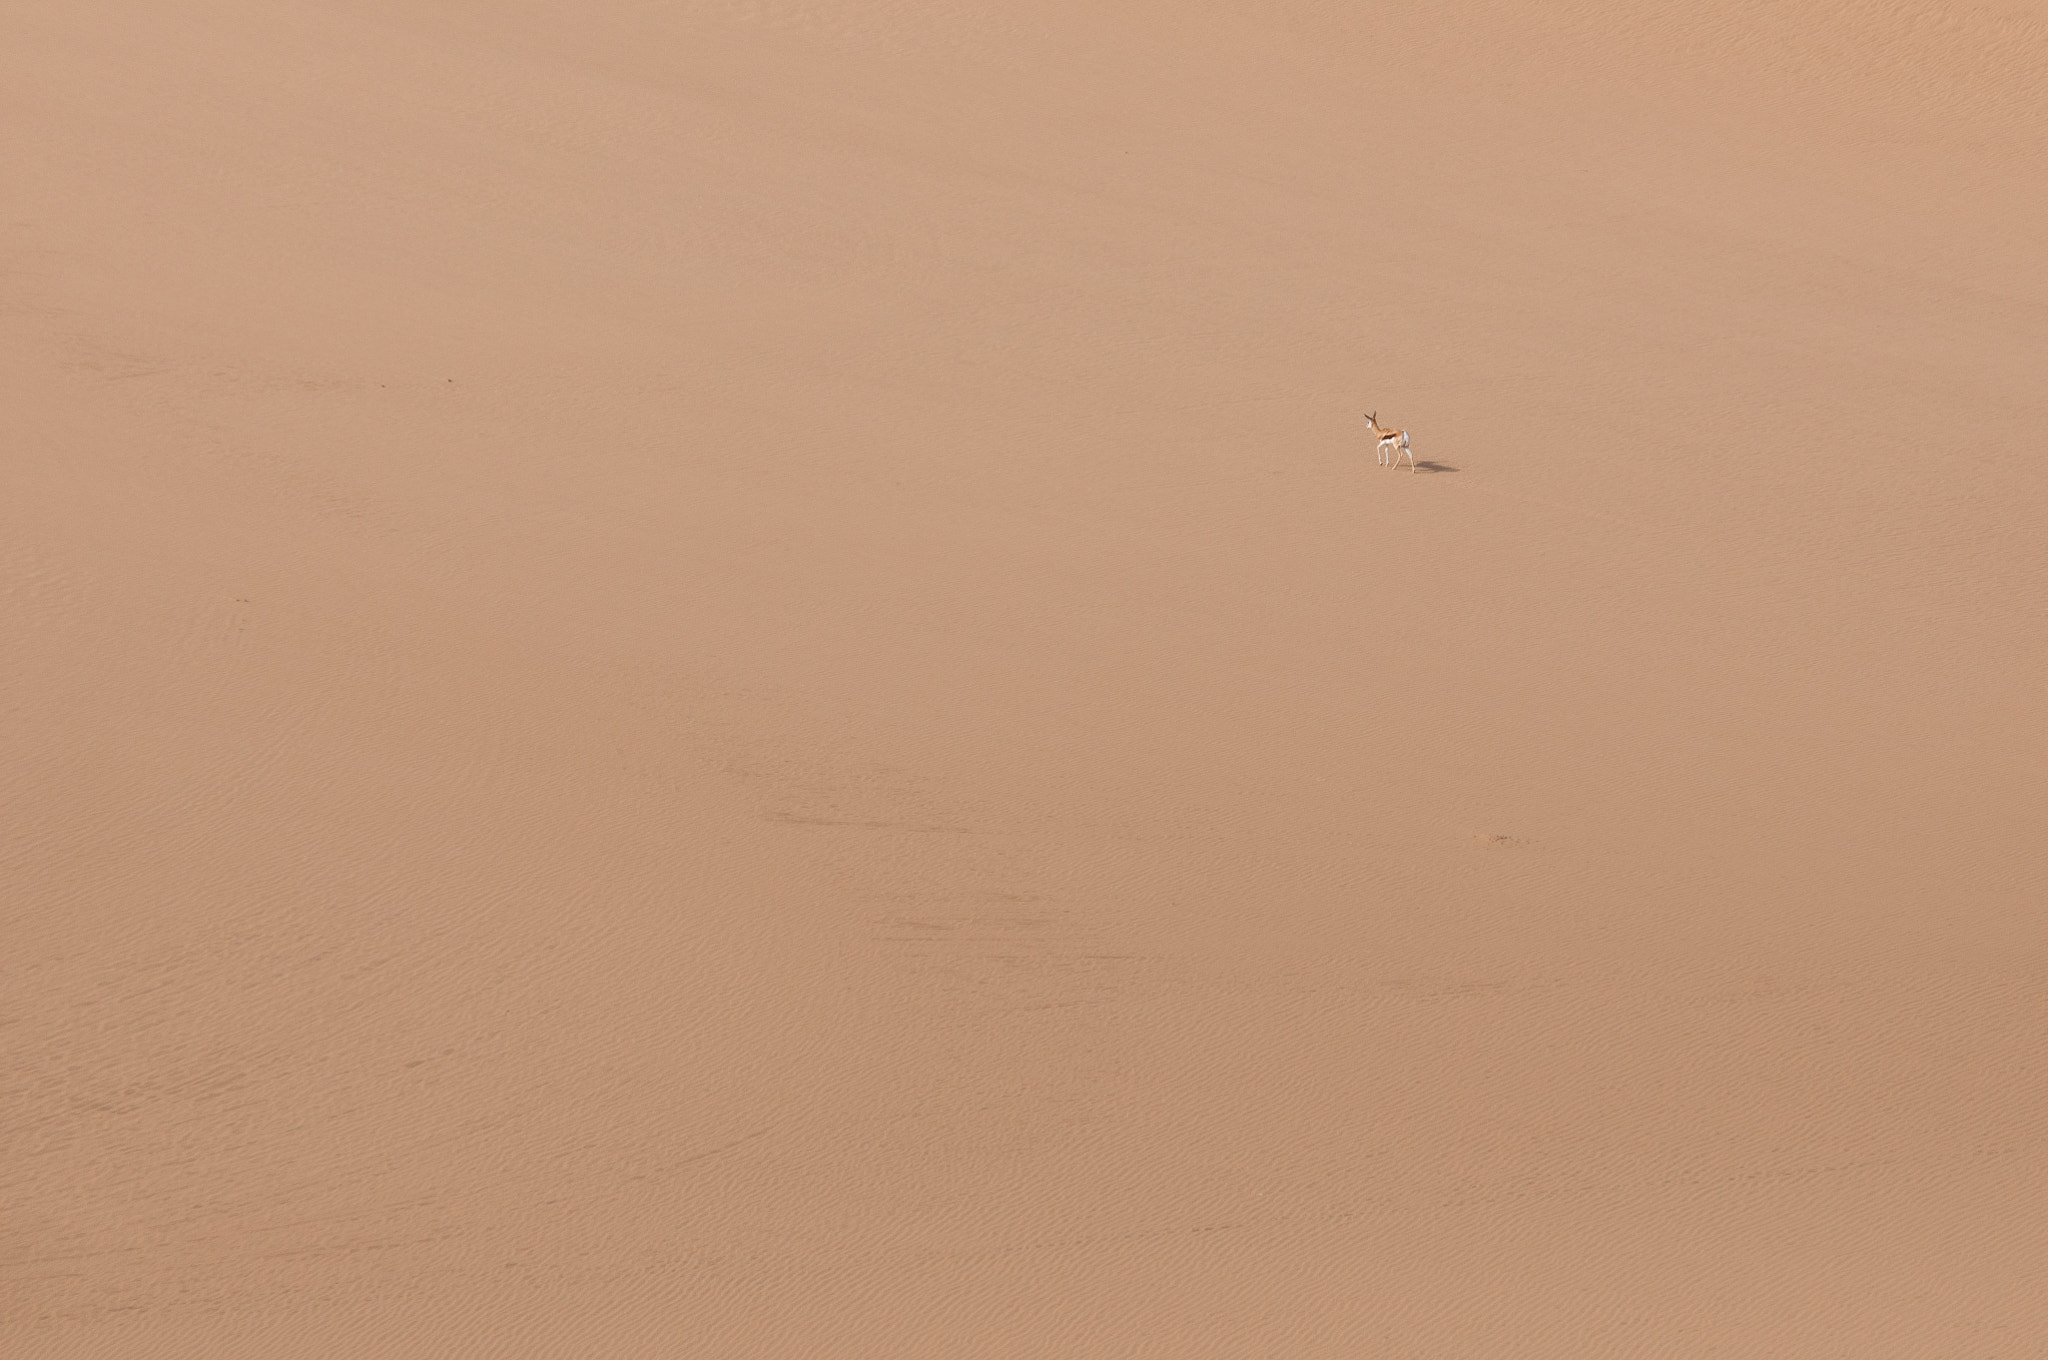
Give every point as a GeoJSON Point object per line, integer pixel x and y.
{"type": "Point", "coordinates": [1393, 443]}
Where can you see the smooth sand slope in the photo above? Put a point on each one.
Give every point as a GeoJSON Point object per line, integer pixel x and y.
{"type": "Point", "coordinates": [729, 678]}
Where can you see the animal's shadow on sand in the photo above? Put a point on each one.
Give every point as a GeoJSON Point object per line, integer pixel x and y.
{"type": "Point", "coordinates": [1426, 466]}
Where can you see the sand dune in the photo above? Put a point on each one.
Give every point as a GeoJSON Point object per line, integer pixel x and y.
{"type": "Point", "coordinates": [730, 678]}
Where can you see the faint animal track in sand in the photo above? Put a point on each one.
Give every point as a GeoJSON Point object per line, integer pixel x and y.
{"type": "Point", "coordinates": [959, 900]}
{"type": "Point", "coordinates": [923, 828]}
{"type": "Point", "coordinates": [111, 364]}
{"type": "Point", "coordinates": [218, 629]}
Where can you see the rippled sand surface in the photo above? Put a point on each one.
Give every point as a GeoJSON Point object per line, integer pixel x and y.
{"type": "Point", "coordinates": [731, 678]}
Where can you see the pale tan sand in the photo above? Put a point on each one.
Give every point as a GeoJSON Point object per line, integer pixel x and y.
{"type": "Point", "coordinates": [732, 679]}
